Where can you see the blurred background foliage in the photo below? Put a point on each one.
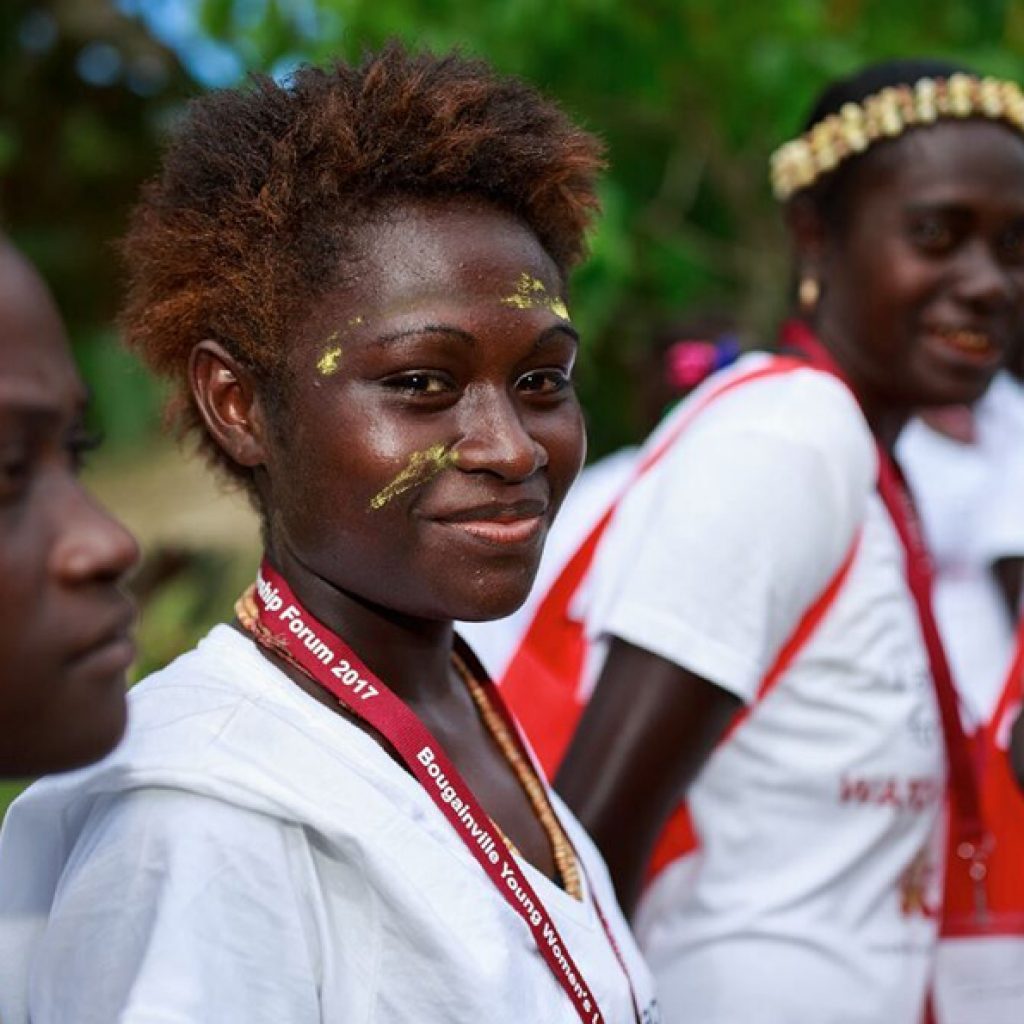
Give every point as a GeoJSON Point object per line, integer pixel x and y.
{"type": "Point", "coordinates": [690, 95]}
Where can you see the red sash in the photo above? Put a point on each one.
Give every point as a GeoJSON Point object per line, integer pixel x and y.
{"type": "Point", "coordinates": [1002, 806]}
{"type": "Point", "coordinates": [542, 682]}
{"type": "Point", "coordinates": [284, 623]}
{"type": "Point", "coordinates": [980, 969]}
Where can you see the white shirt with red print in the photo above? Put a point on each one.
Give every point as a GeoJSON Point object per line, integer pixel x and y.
{"type": "Point", "coordinates": [813, 896]}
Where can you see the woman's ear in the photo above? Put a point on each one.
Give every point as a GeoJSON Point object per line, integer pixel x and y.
{"type": "Point", "coordinates": [807, 233]}
{"type": "Point", "coordinates": [225, 393]}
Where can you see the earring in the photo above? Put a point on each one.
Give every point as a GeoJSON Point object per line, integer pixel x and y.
{"type": "Point", "coordinates": [808, 293]}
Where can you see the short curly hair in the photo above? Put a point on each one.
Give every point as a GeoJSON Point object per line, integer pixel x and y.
{"type": "Point", "coordinates": [260, 187]}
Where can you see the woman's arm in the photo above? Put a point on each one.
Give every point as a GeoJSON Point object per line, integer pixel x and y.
{"type": "Point", "coordinates": [1017, 749]}
{"type": "Point", "coordinates": [645, 734]}
{"type": "Point", "coordinates": [1009, 573]}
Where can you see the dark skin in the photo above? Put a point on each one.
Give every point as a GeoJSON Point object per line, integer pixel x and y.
{"type": "Point", "coordinates": [65, 635]}
{"type": "Point", "coordinates": [1017, 750]}
{"type": "Point", "coordinates": [921, 290]}
{"type": "Point", "coordinates": [418, 349]}
{"type": "Point", "coordinates": [1009, 574]}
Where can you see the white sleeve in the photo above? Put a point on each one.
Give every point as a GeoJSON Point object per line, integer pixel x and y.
{"type": "Point", "coordinates": [721, 554]}
{"type": "Point", "coordinates": [178, 909]}
{"type": "Point", "coordinates": [1000, 522]}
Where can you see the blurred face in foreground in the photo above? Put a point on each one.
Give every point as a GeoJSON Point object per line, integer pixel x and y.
{"type": "Point", "coordinates": [65, 621]}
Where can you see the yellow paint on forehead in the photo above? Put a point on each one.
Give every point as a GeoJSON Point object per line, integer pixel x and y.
{"type": "Point", "coordinates": [531, 293]}
{"type": "Point", "coordinates": [330, 360]}
{"type": "Point", "coordinates": [422, 466]}
{"type": "Point", "coordinates": [328, 363]}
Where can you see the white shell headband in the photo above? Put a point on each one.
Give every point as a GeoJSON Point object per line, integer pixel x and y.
{"type": "Point", "coordinates": [885, 115]}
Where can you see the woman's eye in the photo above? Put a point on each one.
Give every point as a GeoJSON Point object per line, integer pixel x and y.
{"type": "Point", "coordinates": [931, 234]}
{"type": "Point", "coordinates": [79, 446]}
{"type": "Point", "coordinates": [420, 383]}
{"type": "Point", "coordinates": [1011, 245]}
{"type": "Point", "coordinates": [15, 470]}
{"type": "Point", "coordinates": [545, 382]}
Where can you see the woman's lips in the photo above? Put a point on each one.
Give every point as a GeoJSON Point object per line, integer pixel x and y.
{"type": "Point", "coordinates": [499, 523]}
{"type": "Point", "coordinates": [499, 531]}
{"type": "Point", "coordinates": [112, 658]}
{"type": "Point", "coordinates": [965, 345]}
{"type": "Point", "coordinates": [110, 651]}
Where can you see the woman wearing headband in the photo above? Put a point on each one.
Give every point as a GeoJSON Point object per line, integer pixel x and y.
{"type": "Point", "coordinates": [755, 610]}
{"type": "Point", "coordinates": [354, 284]}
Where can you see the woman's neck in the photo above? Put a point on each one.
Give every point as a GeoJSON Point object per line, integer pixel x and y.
{"type": "Point", "coordinates": [411, 656]}
{"type": "Point", "coordinates": [885, 423]}
{"type": "Point", "coordinates": [884, 419]}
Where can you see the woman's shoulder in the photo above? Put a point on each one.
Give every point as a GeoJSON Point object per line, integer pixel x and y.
{"type": "Point", "coordinates": [745, 414]}
{"type": "Point", "coordinates": [794, 401]}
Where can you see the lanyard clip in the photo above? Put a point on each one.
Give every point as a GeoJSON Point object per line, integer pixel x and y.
{"type": "Point", "coordinates": [976, 855]}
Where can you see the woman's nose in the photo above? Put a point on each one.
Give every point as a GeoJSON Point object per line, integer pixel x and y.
{"type": "Point", "coordinates": [985, 281]}
{"type": "Point", "coordinates": [495, 439]}
{"type": "Point", "coordinates": [91, 544]}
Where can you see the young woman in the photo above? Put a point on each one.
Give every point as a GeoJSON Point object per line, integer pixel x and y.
{"type": "Point", "coordinates": [65, 631]}
{"type": "Point", "coordinates": [767, 559]}
{"type": "Point", "coordinates": [355, 284]}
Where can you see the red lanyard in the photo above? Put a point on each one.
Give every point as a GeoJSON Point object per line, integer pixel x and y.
{"type": "Point", "coordinates": [975, 841]}
{"type": "Point", "coordinates": [326, 658]}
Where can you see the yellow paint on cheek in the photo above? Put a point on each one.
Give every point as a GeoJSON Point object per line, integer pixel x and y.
{"type": "Point", "coordinates": [422, 466]}
{"type": "Point", "coordinates": [357, 321]}
{"type": "Point", "coordinates": [531, 293]}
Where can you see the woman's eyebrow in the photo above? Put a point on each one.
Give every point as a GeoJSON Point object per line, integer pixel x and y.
{"type": "Point", "coordinates": [951, 205]}
{"type": "Point", "coordinates": [545, 337]}
{"type": "Point", "coordinates": [456, 332]}
{"type": "Point", "coordinates": [554, 331]}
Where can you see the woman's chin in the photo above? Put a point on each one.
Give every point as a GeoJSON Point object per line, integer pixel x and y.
{"type": "Point", "coordinates": [496, 604]}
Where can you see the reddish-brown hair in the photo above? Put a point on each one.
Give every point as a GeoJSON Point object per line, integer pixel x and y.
{"type": "Point", "coordinates": [249, 219]}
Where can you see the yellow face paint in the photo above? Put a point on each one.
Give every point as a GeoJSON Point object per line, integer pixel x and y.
{"type": "Point", "coordinates": [422, 466]}
{"type": "Point", "coordinates": [532, 293]}
{"type": "Point", "coordinates": [328, 362]}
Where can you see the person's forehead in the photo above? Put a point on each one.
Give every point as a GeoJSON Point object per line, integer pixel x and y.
{"type": "Point", "coordinates": [983, 156]}
{"type": "Point", "coordinates": [36, 369]}
{"type": "Point", "coordinates": [456, 243]}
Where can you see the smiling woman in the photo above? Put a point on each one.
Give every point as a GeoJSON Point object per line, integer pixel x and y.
{"type": "Point", "coordinates": [356, 286]}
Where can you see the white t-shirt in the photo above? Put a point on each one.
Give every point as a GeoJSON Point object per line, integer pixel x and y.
{"type": "Point", "coordinates": [247, 855]}
{"type": "Point", "coordinates": [595, 489]}
{"type": "Point", "coordinates": [818, 816]}
{"type": "Point", "coordinates": [971, 500]}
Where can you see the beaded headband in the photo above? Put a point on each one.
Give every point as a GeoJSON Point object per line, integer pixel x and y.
{"type": "Point", "coordinates": [887, 115]}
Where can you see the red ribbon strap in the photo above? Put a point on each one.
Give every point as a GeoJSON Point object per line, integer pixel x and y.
{"type": "Point", "coordinates": [327, 659]}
